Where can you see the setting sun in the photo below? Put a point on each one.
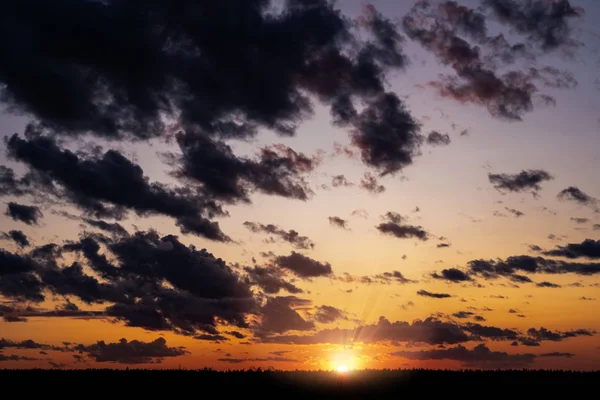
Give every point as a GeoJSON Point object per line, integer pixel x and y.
{"type": "Point", "coordinates": [342, 368]}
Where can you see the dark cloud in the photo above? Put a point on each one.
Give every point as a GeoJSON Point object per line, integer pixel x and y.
{"type": "Point", "coordinates": [386, 134]}
{"type": "Point", "coordinates": [596, 227]}
{"type": "Point", "coordinates": [133, 352]}
{"type": "Point", "coordinates": [328, 314]}
{"type": "Point", "coordinates": [156, 283]}
{"type": "Point", "coordinates": [547, 284]}
{"type": "Point", "coordinates": [514, 212]}
{"type": "Point", "coordinates": [430, 331]}
{"type": "Point", "coordinates": [394, 227]}
{"type": "Point", "coordinates": [303, 266]}
{"type": "Point", "coordinates": [382, 278]}
{"type": "Point", "coordinates": [490, 332]}
{"type": "Point", "coordinates": [27, 214]}
{"type": "Point", "coordinates": [443, 245]}
{"type": "Point", "coordinates": [534, 247]}
{"type": "Point", "coordinates": [338, 222]}
{"type": "Point", "coordinates": [211, 338]}
{"type": "Point", "coordinates": [463, 314]}
{"type": "Point", "coordinates": [221, 175]}
{"type": "Point", "coordinates": [520, 278]}
{"type": "Point", "coordinates": [474, 56]}
{"type": "Point", "coordinates": [576, 195]}
{"type": "Point", "coordinates": [340, 180]}
{"type": "Point", "coordinates": [528, 180]}
{"type": "Point", "coordinates": [236, 334]}
{"type": "Point", "coordinates": [17, 277]}
{"type": "Point", "coordinates": [589, 248]}
{"type": "Point", "coordinates": [29, 344]}
{"type": "Point", "coordinates": [579, 220]}
{"type": "Point", "coordinates": [509, 268]}
{"type": "Point", "coordinates": [10, 185]}
{"type": "Point", "coordinates": [15, 357]}
{"type": "Point", "coordinates": [292, 237]}
{"type": "Point", "coordinates": [452, 275]}
{"type": "Point", "coordinates": [110, 227]}
{"type": "Point", "coordinates": [279, 316]}
{"type": "Point", "coordinates": [68, 310]}
{"type": "Point", "coordinates": [438, 139]}
{"type": "Point", "coordinates": [307, 50]}
{"type": "Point", "coordinates": [370, 184]}
{"type": "Point", "coordinates": [425, 293]}
{"type": "Point", "coordinates": [270, 279]}
{"type": "Point", "coordinates": [90, 181]}
{"type": "Point", "coordinates": [16, 236]}
{"type": "Point", "coordinates": [544, 334]}
{"type": "Point", "coordinates": [392, 277]}
{"type": "Point", "coordinates": [544, 23]}
{"type": "Point", "coordinates": [480, 356]}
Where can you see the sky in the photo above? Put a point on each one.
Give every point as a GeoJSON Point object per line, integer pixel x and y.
{"type": "Point", "coordinates": [300, 184]}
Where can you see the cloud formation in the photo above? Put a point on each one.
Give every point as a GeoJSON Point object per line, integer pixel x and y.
{"type": "Point", "coordinates": [478, 357]}
{"type": "Point", "coordinates": [303, 266]}
{"type": "Point", "coordinates": [328, 314]}
{"type": "Point", "coordinates": [394, 227]}
{"type": "Point", "coordinates": [338, 222]}
{"type": "Point", "coordinates": [370, 183]}
{"type": "Point", "coordinates": [279, 316]}
{"type": "Point", "coordinates": [156, 283]}
{"type": "Point", "coordinates": [16, 236]}
{"type": "Point", "coordinates": [132, 352]}
{"type": "Point", "coordinates": [512, 266]}
{"type": "Point", "coordinates": [576, 195]}
{"type": "Point", "coordinates": [29, 215]}
{"type": "Point", "coordinates": [108, 184]}
{"type": "Point", "coordinates": [425, 293]}
{"type": "Point", "coordinates": [270, 279]}
{"type": "Point", "coordinates": [292, 237]}
{"type": "Point", "coordinates": [189, 76]}
{"type": "Point", "coordinates": [527, 180]}
{"type": "Point", "coordinates": [452, 275]}
{"type": "Point", "coordinates": [438, 139]}
{"type": "Point", "coordinates": [589, 248]}
{"type": "Point", "coordinates": [458, 36]}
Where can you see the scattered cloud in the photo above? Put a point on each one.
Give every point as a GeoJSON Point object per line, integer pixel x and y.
{"type": "Point", "coordinates": [338, 222]}
{"type": "Point", "coordinates": [438, 139]}
{"type": "Point", "coordinates": [576, 195]}
{"type": "Point", "coordinates": [30, 215]}
{"type": "Point", "coordinates": [527, 180]}
{"type": "Point", "coordinates": [589, 248]}
{"type": "Point", "coordinates": [370, 183]}
{"type": "Point", "coordinates": [480, 357]}
{"type": "Point", "coordinates": [303, 266]}
{"type": "Point", "coordinates": [394, 227]}
{"type": "Point", "coordinates": [291, 236]}
{"type": "Point", "coordinates": [425, 293]}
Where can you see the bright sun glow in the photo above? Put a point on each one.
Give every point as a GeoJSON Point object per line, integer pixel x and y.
{"type": "Point", "coordinates": [342, 368]}
{"type": "Point", "coordinates": [343, 360]}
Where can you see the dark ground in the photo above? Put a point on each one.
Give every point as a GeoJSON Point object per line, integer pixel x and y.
{"type": "Point", "coordinates": [207, 384]}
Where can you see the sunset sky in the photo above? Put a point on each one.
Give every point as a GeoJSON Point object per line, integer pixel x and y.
{"type": "Point", "coordinates": [300, 184]}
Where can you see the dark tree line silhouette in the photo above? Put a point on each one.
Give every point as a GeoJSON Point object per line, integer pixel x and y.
{"type": "Point", "coordinates": [269, 383]}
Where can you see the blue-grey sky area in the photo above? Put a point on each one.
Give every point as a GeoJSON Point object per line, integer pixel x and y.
{"type": "Point", "coordinates": [333, 183]}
